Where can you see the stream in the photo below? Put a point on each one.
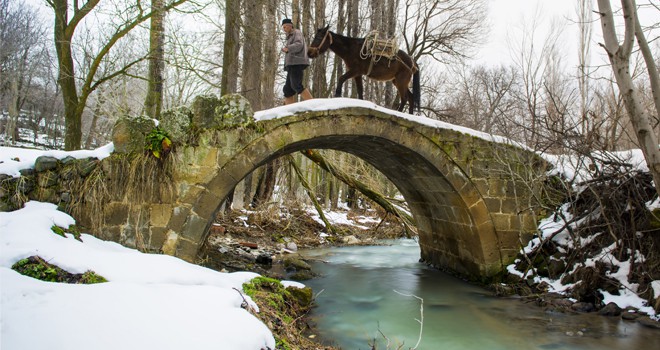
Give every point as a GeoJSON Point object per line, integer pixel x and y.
{"type": "Point", "coordinates": [371, 292]}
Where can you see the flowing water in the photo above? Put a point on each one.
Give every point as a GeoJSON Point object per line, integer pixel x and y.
{"type": "Point", "coordinates": [369, 292]}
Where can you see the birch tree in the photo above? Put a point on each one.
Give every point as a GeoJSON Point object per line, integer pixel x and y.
{"type": "Point", "coordinates": [619, 54]}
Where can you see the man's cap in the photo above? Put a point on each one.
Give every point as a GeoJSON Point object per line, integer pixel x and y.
{"type": "Point", "coordinates": [286, 20]}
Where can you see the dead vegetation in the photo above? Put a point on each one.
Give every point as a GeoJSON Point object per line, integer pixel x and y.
{"type": "Point", "coordinates": [603, 228]}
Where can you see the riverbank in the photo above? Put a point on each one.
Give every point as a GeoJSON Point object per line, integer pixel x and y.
{"type": "Point", "coordinates": [255, 241]}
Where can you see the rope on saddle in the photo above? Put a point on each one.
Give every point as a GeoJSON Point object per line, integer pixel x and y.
{"type": "Point", "coordinates": [376, 49]}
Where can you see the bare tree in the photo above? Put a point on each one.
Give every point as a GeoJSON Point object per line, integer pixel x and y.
{"type": "Point", "coordinates": [232, 46]}
{"type": "Point", "coordinates": [22, 57]}
{"type": "Point", "coordinates": [153, 103]}
{"type": "Point", "coordinates": [532, 56]}
{"type": "Point", "coordinates": [270, 55]}
{"type": "Point", "coordinates": [619, 54]}
{"type": "Point", "coordinates": [252, 54]}
{"type": "Point", "coordinates": [68, 15]}
{"type": "Point", "coordinates": [584, 13]}
{"type": "Point", "coordinates": [442, 28]}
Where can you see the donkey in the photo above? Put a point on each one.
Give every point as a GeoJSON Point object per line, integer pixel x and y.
{"type": "Point", "coordinates": [400, 69]}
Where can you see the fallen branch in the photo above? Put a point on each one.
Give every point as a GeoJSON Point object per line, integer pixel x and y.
{"type": "Point", "coordinates": [311, 195]}
{"type": "Point", "coordinates": [352, 182]}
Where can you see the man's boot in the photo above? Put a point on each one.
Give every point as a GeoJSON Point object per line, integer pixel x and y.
{"type": "Point", "coordinates": [306, 95]}
{"type": "Point", "coordinates": [289, 100]}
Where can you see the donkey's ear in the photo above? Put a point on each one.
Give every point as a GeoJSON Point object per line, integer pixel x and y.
{"type": "Point", "coordinates": [326, 27]}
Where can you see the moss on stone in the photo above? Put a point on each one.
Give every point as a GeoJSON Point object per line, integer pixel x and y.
{"type": "Point", "coordinates": [177, 123]}
{"type": "Point", "coordinates": [128, 134]}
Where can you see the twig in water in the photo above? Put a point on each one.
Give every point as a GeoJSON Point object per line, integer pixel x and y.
{"type": "Point", "coordinates": [421, 313]}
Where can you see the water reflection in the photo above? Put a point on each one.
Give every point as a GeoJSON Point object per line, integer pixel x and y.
{"type": "Point", "coordinates": [359, 300]}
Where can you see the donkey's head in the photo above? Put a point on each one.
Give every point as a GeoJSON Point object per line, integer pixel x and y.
{"type": "Point", "coordinates": [321, 43]}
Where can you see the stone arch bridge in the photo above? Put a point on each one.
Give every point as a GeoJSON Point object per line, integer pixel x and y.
{"type": "Point", "coordinates": [469, 194]}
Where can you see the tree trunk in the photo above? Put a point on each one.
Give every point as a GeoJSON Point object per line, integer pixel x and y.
{"type": "Point", "coordinates": [252, 54]}
{"type": "Point", "coordinates": [271, 64]}
{"type": "Point", "coordinates": [619, 56]}
{"type": "Point", "coordinates": [231, 47]}
{"type": "Point", "coordinates": [319, 64]}
{"type": "Point", "coordinates": [311, 194]}
{"type": "Point", "coordinates": [154, 101]}
{"type": "Point", "coordinates": [266, 184]}
{"type": "Point", "coordinates": [66, 76]}
{"type": "Point", "coordinates": [95, 117]}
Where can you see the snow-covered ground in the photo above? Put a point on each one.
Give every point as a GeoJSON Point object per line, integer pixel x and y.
{"type": "Point", "coordinates": [150, 302]}
{"type": "Point", "coordinates": [577, 170]}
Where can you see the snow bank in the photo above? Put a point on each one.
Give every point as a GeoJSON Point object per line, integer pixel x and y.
{"type": "Point", "coordinates": [150, 302]}
{"type": "Point", "coordinates": [13, 160]}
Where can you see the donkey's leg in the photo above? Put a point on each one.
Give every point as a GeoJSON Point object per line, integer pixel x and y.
{"type": "Point", "coordinates": [360, 88]}
{"type": "Point", "coordinates": [411, 103]}
{"type": "Point", "coordinates": [342, 80]}
{"type": "Point", "coordinates": [401, 81]}
{"type": "Point", "coordinates": [403, 94]}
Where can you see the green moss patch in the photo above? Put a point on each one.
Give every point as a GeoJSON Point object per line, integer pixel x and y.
{"type": "Point", "coordinates": [38, 268]}
{"type": "Point", "coordinates": [283, 310]}
{"type": "Point", "coordinates": [72, 229]}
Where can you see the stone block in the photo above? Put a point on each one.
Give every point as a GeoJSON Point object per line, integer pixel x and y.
{"type": "Point", "coordinates": [116, 213]}
{"type": "Point", "coordinates": [47, 195]}
{"type": "Point", "coordinates": [195, 228]}
{"type": "Point", "coordinates": [494, 204]}
{"type": "Point", "coordinates": [129, 134]}
{"type": "Point", "coordinates": [234, 109]}
{"type": "Point", "coordinates": [187, 250]}
{"type": "Point", "coordinates": [502, 221]}
{"type": "Point", "coordinates": [170, 243]}
{"type": "Point", "coordinates": [207, 204]}
{"type": "Point", "coordinates": [222, 184]}
{"type": "Point", "coordinates": [190, 193]}
{"type": "Point", "coordinates": [176, 122]}
{"type": "Point", "coordinates": [44, 163]}
{"type": "Point", "coordinates": [179, 216]}
{"type": "Point", "coordinates": [87, 165]}
{"type": "Point", "coordinates": [111, 233]}
{"type": "Point", "coordinates": [160, 214]}
{"type": "Point", "coordinates": [69, 171]}
{"type": "Point", "coordinates": [482, 185]}
{"type": "Point", "coordinates": [203, 111]}
{"type": "Point", "coordinates": [128, 237]}
{"type": "Point", "coordinates": [510, 205]}
{"type": "Point", "coordinates": [496, 187]}
{"type": "Point", "coordinates": [47, 178]}
{"type": "Point", "coordinates": [157, 238]}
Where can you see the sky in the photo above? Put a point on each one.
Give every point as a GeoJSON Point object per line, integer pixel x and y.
{"type": "Point", "coordinates": [154, 301]}
{"type": "Point", "coordinates": [506, 18]}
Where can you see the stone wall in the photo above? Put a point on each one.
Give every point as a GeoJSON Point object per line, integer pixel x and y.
{"type": "Point", "coordinates": [49, 181]}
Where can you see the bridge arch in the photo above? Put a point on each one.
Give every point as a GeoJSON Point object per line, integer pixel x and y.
{"type": "Point", "coordinates": [447, 178]}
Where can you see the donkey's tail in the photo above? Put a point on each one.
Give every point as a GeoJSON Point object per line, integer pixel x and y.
{"type": "Point", "coordinates": [417, 90]}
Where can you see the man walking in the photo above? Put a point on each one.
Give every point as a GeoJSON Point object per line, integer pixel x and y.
{"type": "Point", "coordinates": [295, 62]}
